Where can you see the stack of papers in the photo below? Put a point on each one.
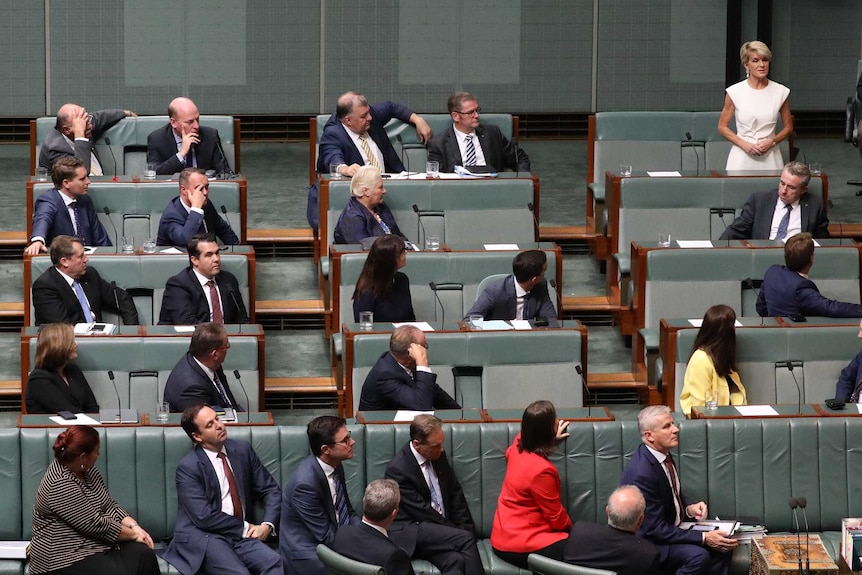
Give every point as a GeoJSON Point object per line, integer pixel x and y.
{"type": "Point", "coordinates": [706, 525]}
{"type": "Point", "coordinates": [748, 532]}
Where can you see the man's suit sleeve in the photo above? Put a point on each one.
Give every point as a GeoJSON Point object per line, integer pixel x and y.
{"type": "Point", "coordinates": [458, 511]}
{"type": "Point", "coordinates": [484, 304]}
{"type": "Point", "coordinates": [223, 229]}
{"type": "Point", "coordinates": [218, 160]}
{"type": "Point", "coordinates": [44, 212]}
{"type": "Point", "coordinates": [848, 378]}
{"type": "Point", "coordinates": [331, 147]}
{"type": "Point", "coordinates": [821, 225]}
{"type": "Point", "coordinates": [760, 305]}
{"type": "Point", "coordinates": [309, 509]}
{"type": "Point", "coordinates": [405, 396]}
{"type": "Point", "coordinates": [741, 228]}
{"type": "Point", "coordinates": [177, 304]}
{"type": "Point", "coordinates": [176, 227]}
{"type": "Point", "coordinates": [166, 161]}
{"type": "Point", "coordinates": [385, 111]}
{"type": "Point", "coordinates": [546, 308]}
{"type": "Point", "coordinates": [435, 151]}
{"type": "Point", "coordinates": [514, 157]}
{"type": "Point", "coordinates": [413, 504]}
{"type": "Point", "coordinates": [812, 302]}
{"type": "Point", "coordinates": [231, 295]}
{"type": "Point", "coordinates": [98, 234]}
{"type": "Point", "coordinates": [201, 508]}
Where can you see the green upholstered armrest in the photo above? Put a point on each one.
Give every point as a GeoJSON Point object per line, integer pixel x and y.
{"type": "Point", "coordinates": [338, 564]}
{"type": "Point", "coordinates": [541, 565]}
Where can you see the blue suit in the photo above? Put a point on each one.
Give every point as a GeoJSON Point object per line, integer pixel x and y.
{"type": "Point", "coordinates": [849, 379]}
{"type": "Point", "coordinates": [177, 226]}
{"type": "Point", "coordinates": [207, 537]}
{"type": "Point", "coordinates": [308, 518]}
{"type": "Point", "coordinates": [357, 223]}
{"type": "Point", "coordinates": [500, 301]}
{"type": "Point", "coordinates": [785, 293]}
{"type": "Point", "coordinates": [678, 549]}
{"type": "Point", "coordinates": [51, 219]}
{"type": "Point", "coordinates": [188, 385]}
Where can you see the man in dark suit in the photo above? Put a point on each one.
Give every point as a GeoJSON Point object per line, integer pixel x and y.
{"type": "Point", "coordinates": [468, 143]}
{"type": "Point", "coordinates": [74, 133]}
{"type": "Point", "coordinates": [218, 483]}
{"type": "Point", "coordinates": [315, 503]}
{"type": "Point", "coordinates": [202, 292]}
{"type": "Point", "coordinates": [369, 541]}
{"type": "Point", "coordinates": [614, 546]}
{"type": "Point", "coordinates": [198, 376]}
{"type": "Point", "coordinates": [522, 295]}
{"type": "Point", "coordinates": [782, 213]}
{"type": "Point", "coordinates": [787, 291]}
{"type": "Point", "coordinates": [66, 210]}
{"type": "Point", "coordinates": [652, 470]}
{"type": "Point", "coordinates": [184, 143]}
{"type": "Point", "coordinates": [401, 378]}
{"type": "Point", "coordinates": [355, 136]}
{"type": "Point", "coordinates": [192, 213]}
{"type": "Point", "coordinates": [70, 292]}
{"type": "Point", "coordinates": [433, 522]}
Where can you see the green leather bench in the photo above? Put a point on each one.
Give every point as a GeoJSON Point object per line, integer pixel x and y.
{"type": "Point", "coordinates": [136, 208]}
{"type": "Point", "coordinates": [127, 153]}
{"type": "Point", "coordinates": [517, 366]}
{"type": "Point", "coordinates": [741, 467]}
{"type": "Point", "coordinates": [141, 366]}
{"type": "Point", "coordinates": [410, 148]}
{"type": "Point", "coordinates": [147, 274]}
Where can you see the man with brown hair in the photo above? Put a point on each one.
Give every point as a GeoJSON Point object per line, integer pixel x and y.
{"type": "Point", "coordinates": [787, 291]}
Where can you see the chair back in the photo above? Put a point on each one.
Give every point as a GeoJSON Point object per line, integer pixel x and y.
{"type": "Point", "coordinates": [338, 564]}
{"type": "Point", "coordinates": [541, 565]}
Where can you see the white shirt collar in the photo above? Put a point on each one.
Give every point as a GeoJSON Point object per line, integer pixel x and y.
{"type": "Point", "coordinates": [327, 468]}
{"type": "Point", "coordinates": [657, 454]}
{"type": "Point", "coordinates": [69, 279]}
{"type": "Point", "coordinates": [377, 527]}
{"type": "Point", "coordinates": [207, 370]}
{"type": "Point", "coordinates": [420, 459]}
{"type": "Point", "coordinates": [519, 291]}
{"type": "Point", "coordinates": [202, 278]}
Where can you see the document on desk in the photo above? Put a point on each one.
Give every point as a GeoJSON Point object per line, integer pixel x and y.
{"type": "Point", "coordinates": [13, 549]}
{"type": "Point", "coordinates": [755, 410]}
{"type": "Point", "coordinates": [408, 415]}
{"type": "Point", "coordinates": [694, 243]}
{"type": "Point", "coordinates": [501, 247]}
{"type": "Point", "coordinates": [664, 174]}
{"type": "Point", "coordinates": [710, 525]}
{"type": "Point", "coordinates": [80, 419]}
{"type": "Point", "coordinates": [521, 324]}
{"type": "Point", "coordinates": [422, 325]}
{"type": "Point", "coordinates": [699, 322]}
{"type": "Point", "coordinates": [172, 251]}
{"type": "Point", "coordinates": [496, 324]}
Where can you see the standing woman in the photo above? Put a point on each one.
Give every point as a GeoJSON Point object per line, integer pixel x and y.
{"type": "Point", "coordinates": [530, 516]}
{"type": "Point", "coordinates": [381, 288]}
{"type": "Point", "coordinates": [756, 103]}
{"type": "Point", "coordinates": [712, 365]}
{"type": "Point", "coordinates": [57, 384]}
{"type": "Point", "coordinates": [78, 529]}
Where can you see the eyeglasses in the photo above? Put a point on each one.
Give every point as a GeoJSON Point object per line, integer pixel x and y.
{"type": "Point", "coordinates": [474, 112]}
{"type": "Point", "coordinates": [345, 441]}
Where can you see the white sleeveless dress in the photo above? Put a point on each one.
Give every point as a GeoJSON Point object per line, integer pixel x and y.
{"type": "Point", "coordinates": [757, 113]}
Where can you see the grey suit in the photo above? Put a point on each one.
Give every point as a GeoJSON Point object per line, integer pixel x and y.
{"type": "Point", "coordinates": [755, 221]}
{"type": "Point", "coordinates": [55, 144]}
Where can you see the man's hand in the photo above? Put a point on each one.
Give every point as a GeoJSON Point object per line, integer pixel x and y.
{"type": "Point", "coordinates": [720, 541]}
{"type": "Point", "coordinates": [697, 510]}
{"type": "Point", "coordinates": [348, 171]}
{"type": "Point", "coordinates": [422, 128]}
{"type": "Point", "coordinates": [419, 354]}
{"type": "Point", "coordinates": [130, 114]}
{"type": "Point", "coordinates": [189, 139]}
{"type": "Point", "coordinates": [35, 248]}
{"type": "Point", "coordinates": [562, 425]}
{"type": "Point", "coordinates": [80, 119]}
{"type": "Point", "coordinates": [259, 531]}
{"type": "Point", "coordinates": [197, 197]}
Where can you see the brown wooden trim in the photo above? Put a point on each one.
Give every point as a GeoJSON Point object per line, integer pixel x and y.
{"type": "Point", "coordinates": [283, 235]}
{"type": "Point", "coordinates": [11, 309]}
{"type": "Point", "coordinates": [320, 384]}
{"type": "Point", "coordinates": [312, 145]}
{"type": "Point", "coordinates": [569, 233]}
{"type": "Point", "coordinates": [289, 306]}
{"type": "Point", "coordinates": [237, 145]}
{"type": "Point", "coordinates": [32, 147]}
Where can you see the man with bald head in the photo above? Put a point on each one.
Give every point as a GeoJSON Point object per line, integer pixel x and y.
{"type": "Point", "coordinates": [614, 546]}
{"type": "Point", "coordinates": [184, 143]}
{"type": "Point", "coordinates": [74, 134]}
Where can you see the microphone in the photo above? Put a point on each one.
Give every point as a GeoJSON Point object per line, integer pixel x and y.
{"type": "Point", "coordinates": [449, 286]}
{"type": "Point", "coordinates": [794, 503]}
{"type": "Point", "coordinates": [421, 224]}
{"type": "Point", "coordinates": [789, 365]}
{"type": "Point", "coordinates": [110, 221]}
{"type": "Point", "coordinates": [247, 402]}
{"type": "Point", "coordinates": [107, 415]}
{"type": "Point", "coordinates": [233, 298]}
{"type": "Point", "coordinates": [226, 175]}
{"type": "Point", "coordinates": [720, 213]}
{"type": "Point", "coordinates": [403, 157]}
{"type": "Point", "coordinates": [461, 397]}
{"type": "Point", "coordinates": [803, 503]}
{"type": "Point", "coordinates": [116, 302]}
{"type": "Point", "coordinates": [535, 219]}
{"type": "Point", "coordinates": [224, 211]}
{"type": "Point", "coordinates": [749, 283]}
{"type": "Point", "coordinates": [586, 389]}
{"type": "Point", "coordinates": [433, 287]}
{"type": "Point", "coordinates": [694, 144]}
{"type": "Point", "coordinates": [114, 159]}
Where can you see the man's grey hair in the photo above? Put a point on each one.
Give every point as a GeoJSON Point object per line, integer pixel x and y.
{"type": "Point", "coordinates": [381, 498]}
{"type": "Point", "coordinates": [648, 415]}
{"type": "Point", "coordinates": [626, 506]}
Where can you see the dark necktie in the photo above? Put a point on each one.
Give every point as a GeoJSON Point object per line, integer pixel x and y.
{"type": "Point", "coordinates": [340, 500]}
{"type": "Point", "coordinates": [218, 317]}
{"type": "Point", "coordinates": [78, 229]}
{"type": "Point", "coordinates": [222, 391]}
{"type": "Point", "coordinates": [470, 150]}
{"type": "Point", "coordinates": [856, 392]}
{"type": "Point", "coordinates": [785, 221]}
{"type": "Point", "coordinates": [231, 487]}
{"type": "Point", "coordinates": [674, 482]}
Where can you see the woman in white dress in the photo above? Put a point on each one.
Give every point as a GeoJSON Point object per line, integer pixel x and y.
{"type": "Point", "coordinates": [756, 103]}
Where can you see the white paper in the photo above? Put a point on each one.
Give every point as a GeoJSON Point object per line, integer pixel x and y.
{"type": "Point", "coordinates": [13, 549]}
{"type": "Point", "coordinates": [755, 410]}
{"type": "Point", "coordinates": [90, 329]}
{"type": "Point", "coordinates": [699, 322]}
{"type": "Point", "coordinates": [184, 328]}
{"type": "Point", "coordinates": [171, 251]}
{"type": "Point", "coordinates": [80, 419]}
{"type": "Point", "coordinates": [784, 241]}
{"type": "Point", "coordinates": [407, 415]}
{"type": "Point", "coordinates": [664, 174]}
{"type": "Point", "coordinates": [857, 407]}
{"type": "Point", "coordinates": [492, 324]}
{"type": "Point", "coordinates": [694, 243]}
{"type": "Point", "coordinates": [521, 324]}
{"type": "Point", "coordinates": [90, 250]}
{"type": "Point", "coordinates": [501, 247]}
{"type": "Point", "coordinates": [423, 325]}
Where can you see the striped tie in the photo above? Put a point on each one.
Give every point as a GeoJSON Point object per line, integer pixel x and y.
{"type": "Point", "coordinates": [340, 500]}
{"type": "Point", "coordinates": [471, 152]}
{"type": "Point", "coordinates": [372, 159]}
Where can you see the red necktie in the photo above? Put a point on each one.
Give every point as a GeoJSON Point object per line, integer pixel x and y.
{"type": "Point", "coordinates": [217, 314]}
{"type": "Point", "coordinates": [231, 487]}
{"type": "Point", "coordinates": [674, 482]}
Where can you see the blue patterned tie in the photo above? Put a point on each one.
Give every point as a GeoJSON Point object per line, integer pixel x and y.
{"type": "Point", "coordinates": [340, 500]}
{"type": "Point", "coordinates": [436, 505]}
{"type": "Point", "coordinates": [82, 299]}
{"type": "Point", "coordinates": [78, 230]}
{"type": "Point", "coordinates": [471, 152]}
{"type": "Point", "coordinates": [785, 221]}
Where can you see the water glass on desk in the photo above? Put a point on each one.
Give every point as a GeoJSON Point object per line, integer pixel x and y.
{"type": "Point", "coordinates": [149, 246]}
{"type": "Point", "coordinates": [432, 169]}
{"type": "Point", "coordinates": [710, 399]}
{"type": "Point", "coordinates": [150, 172]}
{"type": "Point", "coordinates": [41, 174]}
{"type": "Point", "coordinates": [476, 322]}
{"type": "Point", "coordinates": [333, 171]}
{"type": "Point", "coordinates": [128, 244]}
{"type": "Point", "coordinates": [625, 170]}
{"type": "Point", "coordinates": [432, 243]}
{"type": "Point", "coordinates": [163, 411]}
{"type": "Point", "coordinates": [366, 320]}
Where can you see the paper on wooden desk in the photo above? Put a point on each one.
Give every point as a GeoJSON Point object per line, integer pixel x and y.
{"type": "Point", "coordinates": [755, 410]}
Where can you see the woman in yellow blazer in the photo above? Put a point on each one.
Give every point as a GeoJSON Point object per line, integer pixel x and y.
{"type": "Point", "coordinates": [712, 365]}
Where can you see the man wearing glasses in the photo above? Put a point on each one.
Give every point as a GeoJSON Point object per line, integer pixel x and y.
{"type": "Point", "coordinates": [433, 521]}
{"type": "Point", "coordinates": [470, 144]}
{"type": "Point", "coordinates": [74, 133]}
{"type": "Point", "coordinates": [401, 378]}
{"type": "Point", "coordinates": [315, 502]}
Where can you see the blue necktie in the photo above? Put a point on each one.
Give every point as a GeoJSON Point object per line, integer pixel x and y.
{"type": "Point", "coordinates": [78, 230]}
{"type": "Point", "coordinates": [436, 505]}
{"type": "Point", "coordinates": [782, 225]}
{"type": "Point", "coordinates": [471, 151]}
{"type": "Point", "coordinates": [340, 500]}
{"type": "Point", "coordinates": [82, 299]}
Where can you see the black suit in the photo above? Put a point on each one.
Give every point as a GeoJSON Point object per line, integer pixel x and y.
{"type": "Point", "coordinates": [605, 547]}
{"type": "Point", "coordinates": [48, 393]}
{"type": "Point", "coordinates": [388, 386]}
{"type": "Point", "coordinates": [188, 384]}
{"type": "Point", "coordinates": [162, 149]}
{"type": "Point", "coordinates": [447, 542]}
{"type": "Point", "coordinates": [500, 153]}
{"type": "Point", "coordinates": [54, 300]}
{"type": "Point", "coordinates": [185, 303]}
{"type": "Point", "coordinates": [364, 543]}
{"type": "Point", "coordinates": [755, 221]}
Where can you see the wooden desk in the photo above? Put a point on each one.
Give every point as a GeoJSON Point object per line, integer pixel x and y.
{"type": "Point", "coordinates": [777, 554]}
{"type": "Point", "coordinates": [146, 420]}
{"type": "Point", "coordinates": [572, 414]}
{"type": "Point", "coordinates": [784, 410]}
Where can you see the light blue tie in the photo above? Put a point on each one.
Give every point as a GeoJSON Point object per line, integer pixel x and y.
{"type": "Point", "coordinates": [785, 221]}
{"type": "Point", "coordinates": [82, 299]}
{"type": "Point", "coordinates": [436, 505]}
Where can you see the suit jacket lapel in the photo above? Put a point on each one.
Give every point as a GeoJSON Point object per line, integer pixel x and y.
{"type": "Point", "coordinates": [511, 296]}
{"type": "Point", "coordinates": [323, 483]}
{"type": "Point", "coordinates": [804, 213]}
{"type": "Point", "coordinates": [418, 473]}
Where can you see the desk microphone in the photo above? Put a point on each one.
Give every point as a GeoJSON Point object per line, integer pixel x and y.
{"type": "Point", "coordinates": [586, 389]}
{"type": "Point", "coordinates": [803, 503]}
{"type": "Point", "coordinates": [235, 302]}
{"type": "Point", "coordinates": [224, 211]}
{"type": "Point", "coordinates": [247, 402]}
{"type": "Point", "coordinates": [720, 213]}
{"type": "Point", "coordinates": [794, 503]}
{"type": "Point", "coordinates": [114, 159]}
{"type": "Point", "coordinates": [421, 224]}
{"type": "Point", "coordinates": [433, 287]}
{"type": "Point", "coordinates": [111, 221]}
{"type": "Point", "coordinates": [789, 365]}
{"type": "Point", "coordinates": [535, 219]}
{"type": "Point", "coordinates": [694, 144]}
{"type": "Point", "coordinates": [229, 173]}
{"type": "Point", "coordinates": [749, 283]}
{"type": "Point", "coordinates": [448, 286]}
{"type": "Point", "coordinates": [461, 397]}
{"type": "Point", "coordinates": [105, 414]}
{"type": "Point", "coordinates": [403, 152]}
{"type": "Point", "coordinates": [116, 302]}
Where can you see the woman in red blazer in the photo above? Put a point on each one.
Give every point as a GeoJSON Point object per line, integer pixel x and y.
{"type": "Point", "coordinates": [530, 517]}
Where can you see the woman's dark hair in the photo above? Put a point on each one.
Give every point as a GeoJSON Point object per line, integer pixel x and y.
{"type": "Point", "coordinates": [73, 442]}
{"type": "Point", "coordinates": [717, 337]}
{"type": "Point", "coordinates": [539, 428]}
{"type": "Point", "coordinates": [380, 267]}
